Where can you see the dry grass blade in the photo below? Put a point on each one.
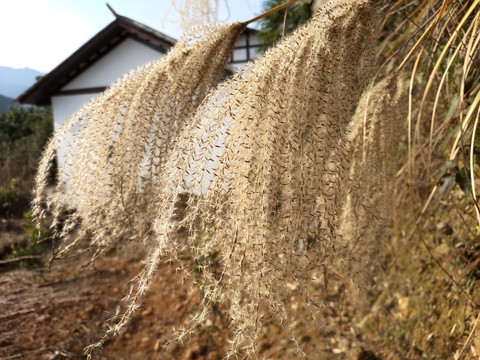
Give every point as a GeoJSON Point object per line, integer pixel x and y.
{"type": "Point", "coordinates": [441, 57]}
{"type": "Point", "coordinates": [433, 24]}
{"type": "Point", "coordinates": [405, 34]}
{"type": "Point", "coordinates": [472, 159]}
{"type": "Point", "coordinates": [468, 118]}
{"type": "Point", "coordinates": [458, 355]}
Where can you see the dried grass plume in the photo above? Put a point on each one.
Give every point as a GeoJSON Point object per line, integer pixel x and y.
{"type": "Point", "coordinates": [376, 132]}
{"type": "Point", "coordinates": [267, 157]}
{"type": "Point", "coordinates": [265, 160]}
{"type": "Point", "coordinates": [120, 140]}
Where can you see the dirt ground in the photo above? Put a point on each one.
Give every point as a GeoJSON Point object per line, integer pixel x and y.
{"type": "Point", "coordinates": [55, 314]}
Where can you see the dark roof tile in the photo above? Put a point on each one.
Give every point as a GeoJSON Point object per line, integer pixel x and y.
{"type": "Point", "coordinates": [121, 28]}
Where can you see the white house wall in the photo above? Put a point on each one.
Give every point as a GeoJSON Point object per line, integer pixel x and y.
{"type": "Point", "coordinates": [126, 56]}
{"type": "Point", "coordinates": [62, 108]}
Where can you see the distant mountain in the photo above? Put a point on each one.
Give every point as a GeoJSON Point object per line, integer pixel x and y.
{"type": "Point", "coordinates": [5, 102]}
{"type": "Point", "coordinates": [15, 81]}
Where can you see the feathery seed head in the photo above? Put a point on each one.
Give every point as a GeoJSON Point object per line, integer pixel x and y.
{"type": "Point", "coordinates": [265, 161]}
{"type": "Point", "coordinates": [267, 157]}
{"type": "Point", "coordinates": [123, 137]}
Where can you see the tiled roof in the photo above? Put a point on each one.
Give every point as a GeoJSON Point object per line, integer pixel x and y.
{"type": "Point", "coordinates": [112, 35]}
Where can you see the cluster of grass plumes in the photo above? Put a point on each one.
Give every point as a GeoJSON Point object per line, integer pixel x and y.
{"type": "Point", "coordinates": [266, 159]}
{"type": "Point", "coordinates": [122, 138]}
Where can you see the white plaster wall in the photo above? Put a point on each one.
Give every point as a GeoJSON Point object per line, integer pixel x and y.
{"type": "Point", "coordinates": [254, 40]}
{"type": "Point", "coordinates": [65, 105]}
{"type": "Point", "coordinates": [62, 108]}
{"type": "Point", "coordinates": [128, 55]}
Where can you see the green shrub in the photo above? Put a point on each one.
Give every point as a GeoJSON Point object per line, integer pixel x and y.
{"type": "Point", "coordinates": [33, 247]}
{"type": "Point", "coordinates": [9, 197]}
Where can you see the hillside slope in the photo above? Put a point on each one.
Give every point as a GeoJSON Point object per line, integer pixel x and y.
{"type": "Point", "coordinates": [5, 102]}
{"type": "Point", "coordinates": [15, 81]}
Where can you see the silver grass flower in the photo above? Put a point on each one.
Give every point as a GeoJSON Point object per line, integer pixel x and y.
{"type": "Point", "coordinates": [376, 130]}
{"type": "Point", "coordinates": [195, 12]}
{"type": "Point", "coordinates": [120, 140]}
{"type": "Point", "coordinates": [266, 161]}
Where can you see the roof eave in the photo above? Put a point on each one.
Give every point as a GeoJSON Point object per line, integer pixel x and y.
{"type": "Point", "coordinates": [41, 92]}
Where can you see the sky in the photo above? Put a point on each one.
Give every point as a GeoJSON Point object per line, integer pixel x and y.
{"type": "Point", "coordinates": [40, 34]}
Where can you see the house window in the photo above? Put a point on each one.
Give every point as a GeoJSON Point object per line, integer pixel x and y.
{"type": "Point", "coordinates": [247, 48]}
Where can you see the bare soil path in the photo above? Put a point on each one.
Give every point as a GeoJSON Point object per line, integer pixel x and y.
{"type": "Point", "coordinates": [49, 315]}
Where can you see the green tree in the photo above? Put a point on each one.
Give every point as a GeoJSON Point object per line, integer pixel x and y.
{"type": "Point", "coordinates": [23, 133]}
{"type": "Point", "coordinates": [271, 27]}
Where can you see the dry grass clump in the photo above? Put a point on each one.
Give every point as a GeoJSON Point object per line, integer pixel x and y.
{"type": "Point", "coordinates": [442, 56]}
{"type": "Point", "coordinates": [429, 268]}
{"type": "Point", "coordinates": [122, 138]}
